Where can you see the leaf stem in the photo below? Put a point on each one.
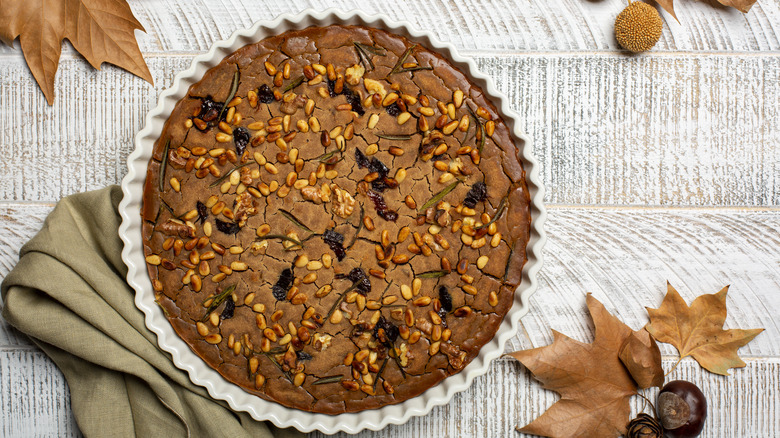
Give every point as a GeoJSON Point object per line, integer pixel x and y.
{"type": "Point", "coordinates": [164, 164]}
{"type": "Point", "coordinates": [647, 400]}
{"type": "Point", "coordinates": [673, 367]}
{"type": "Point", "coordinates": [231, 95]}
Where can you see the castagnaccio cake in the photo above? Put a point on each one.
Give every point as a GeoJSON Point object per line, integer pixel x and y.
{"type": "Point", "coordinates": [335, 219]}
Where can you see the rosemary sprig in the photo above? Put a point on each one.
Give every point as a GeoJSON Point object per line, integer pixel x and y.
{"type": "Point", "coordinates": [367, 63]}
{"type": "Point", "coordinates": [394, 137]}
{"type": "Point", "coordinates": [281, 237]}
{"type": "Point", "coordinates": [219, 180]}
{"type": "Point", "coordinates": [364, 50]}
{"type": "Point", "coordinates": [397, 361]}
{"type": "Point", "coordinates": [295, 82]}
{"type": "Point", "coordinates": [168, 207]}
{"type": "Point", "coordinates": [285, 373]}
{"type": "Point", "coordinates": [479, 130]}
{"type": "Point", "coordinates": [338, 301]}
{"type": "Point", "coordinates": [508, 261]}
{"type": "Point", "coordinates": [231, 95]}
{"type": "Point", "coordinates": [387, 288]}
{"type": "Point", "coordinates": [324, 157]}
{"type": "Point", "coordinates": [398, 65]}
{"type": "Point", "coordinates": [217, 300]}
{"type": "Point", "coordinates": [164, 164]}
{"type": "Point", "coordinates": [379, 373]}
{"type": "Point", "coordinates": [419, 67]}
{"type": "Point", "coordinates": [432, 274]}
{"type": "Point", "coordinates": [439, 196]}
{"type": "Point", "coordinates": [482, 137]}
{"type": "Point", "coordinates": [378, 51]}
{"type": "Point", "coordinates": [500, 210]}
{"type": "Point", "coordinates": [290, 217]}
{"type": "Point", "coordinates": [328, 379]}
{"type": "Point", "coordinates": [360, 227]}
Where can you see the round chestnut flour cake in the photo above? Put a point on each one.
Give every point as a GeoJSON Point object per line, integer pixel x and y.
{"type": "Point", "coordinates": [335, 219]}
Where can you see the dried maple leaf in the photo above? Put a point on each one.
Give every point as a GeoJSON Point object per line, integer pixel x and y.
{"type": "Point", "coordinates": [594, 385]}
{"type": "Point", "coordinates": [742, 5]}
{"type": "Point", "coordinates": [697, 331]}
{"type": "Point", "coordinates": [101, 30]}
{"type": "Point", "coordinates": [642, 357]}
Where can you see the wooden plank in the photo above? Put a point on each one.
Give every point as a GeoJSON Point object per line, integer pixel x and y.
{"type": "Point", "coordinates": [508, 397]}
{"type": "Point", "coordinates": [502, 25]}
{"type": "Point", "coordinates": [608, 130]}
{"type": "Point", "coordinates": [19, 223]}
{"type": "Point", "coordinates": [34, 397]}
{"type": "Point", "coordinates": [623, 256]}
{"type": "Point", "coordinates": [35, 401]}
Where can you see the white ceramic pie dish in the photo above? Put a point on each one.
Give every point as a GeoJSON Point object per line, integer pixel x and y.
{"type": "Point", "coordinates": [200, 373]}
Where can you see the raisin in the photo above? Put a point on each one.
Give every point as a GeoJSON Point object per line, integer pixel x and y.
{"type": "Point", "coordinates": [385, 332]}
{"type": "Point", "coordinates": [241, 138]}
{"type": "Point", "coordinates": [303, 356]}
{"type": "Point", "coordinates": [282, 285]}
{"type": "Point", "coordinates": [229, 310]}
{"type": "Point", "coordinates": [445, 298]}
{"type": "Point", "coordinates": [358, 277]}
{"type": "Point", "coordinates": [209, 109]}
{"type": "Point", "coordinates": [227, 227]}
{"type": "Point", "coordinates": [361, 159]}
{"type": "Point", "coordinates": [378, 167]}
{"type": "Point", "coordinates": [477, 193]}
{"type": "Point", "coordinates": [332, 88]}
{"type": "Point", "coordinates": [203, 211]}
{"type": "Point", "coordinates": [265, 94]}
{"type": "Point", "coordinates": [335, 241]}
{"type": "Point", "coordinates": [354, 100]}
{"type": "Point", "coordinates": [443, 315]}
{"type": "Point", "coordinates": [381, 206]}
{"type": "Point", "coordinates": [393, 109]}
{"type": "Point", "coordinates": [374, 165]}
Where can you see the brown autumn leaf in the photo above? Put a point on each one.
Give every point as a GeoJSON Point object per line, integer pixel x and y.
{"type": "Point", "coordinates": [697, 331]}
{"type": "Point", "coordinates": [594, 385]}
{"type": "Point", "coordinates": [742, 5]}
{"type": "Point", "coordinates": [101, 30]}
{"type": "Point", "coordinates": [642, 357]}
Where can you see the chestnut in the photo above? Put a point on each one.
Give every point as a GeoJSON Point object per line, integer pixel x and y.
{"type": "Point", "coordinates": [682, 409]}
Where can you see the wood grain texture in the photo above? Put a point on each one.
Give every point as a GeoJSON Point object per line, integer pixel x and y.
{"type": "Point", "coordinates": [34, 396]}
{"type": "Point", "coordinates": [35, 399]}
{"type": "Point", "coordinates": [500, 25]}
{"type": "Point", "coordinates": [624, 256]}
{"type": "Point", "coordinates": [687, 125]}
{"type": "Point", "coordinates": [607, 129]}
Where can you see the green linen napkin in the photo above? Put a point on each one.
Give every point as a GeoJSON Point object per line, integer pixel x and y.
{"type": "Point", "coordinates": [68, 294]}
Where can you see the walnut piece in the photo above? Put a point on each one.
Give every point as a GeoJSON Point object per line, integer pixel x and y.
{"type": "Point", "coordinates": [354, 73]}
{"type": "Point", "coordinates": [176, 228]}
{"type": "Point", "coordinates": [321, 342]}
{"type": "Point", "coordinates": [374, 87]}
{"type": "Point", "coordinates": [343, 203]}
{"type": "Point", "coordinates": [312, 194]}
{"type": "Point", "coordinates": [245, 206]}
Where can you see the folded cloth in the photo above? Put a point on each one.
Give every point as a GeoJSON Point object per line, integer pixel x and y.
{"type": "Point", "coordinates": [69, 295]}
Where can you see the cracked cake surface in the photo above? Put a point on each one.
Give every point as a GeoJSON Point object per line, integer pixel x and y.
{"type": "Point", "coordinates": [335, 219]}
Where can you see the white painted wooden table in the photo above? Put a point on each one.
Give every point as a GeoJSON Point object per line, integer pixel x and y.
{"type": "Point", "coordinates": [664, 166]}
